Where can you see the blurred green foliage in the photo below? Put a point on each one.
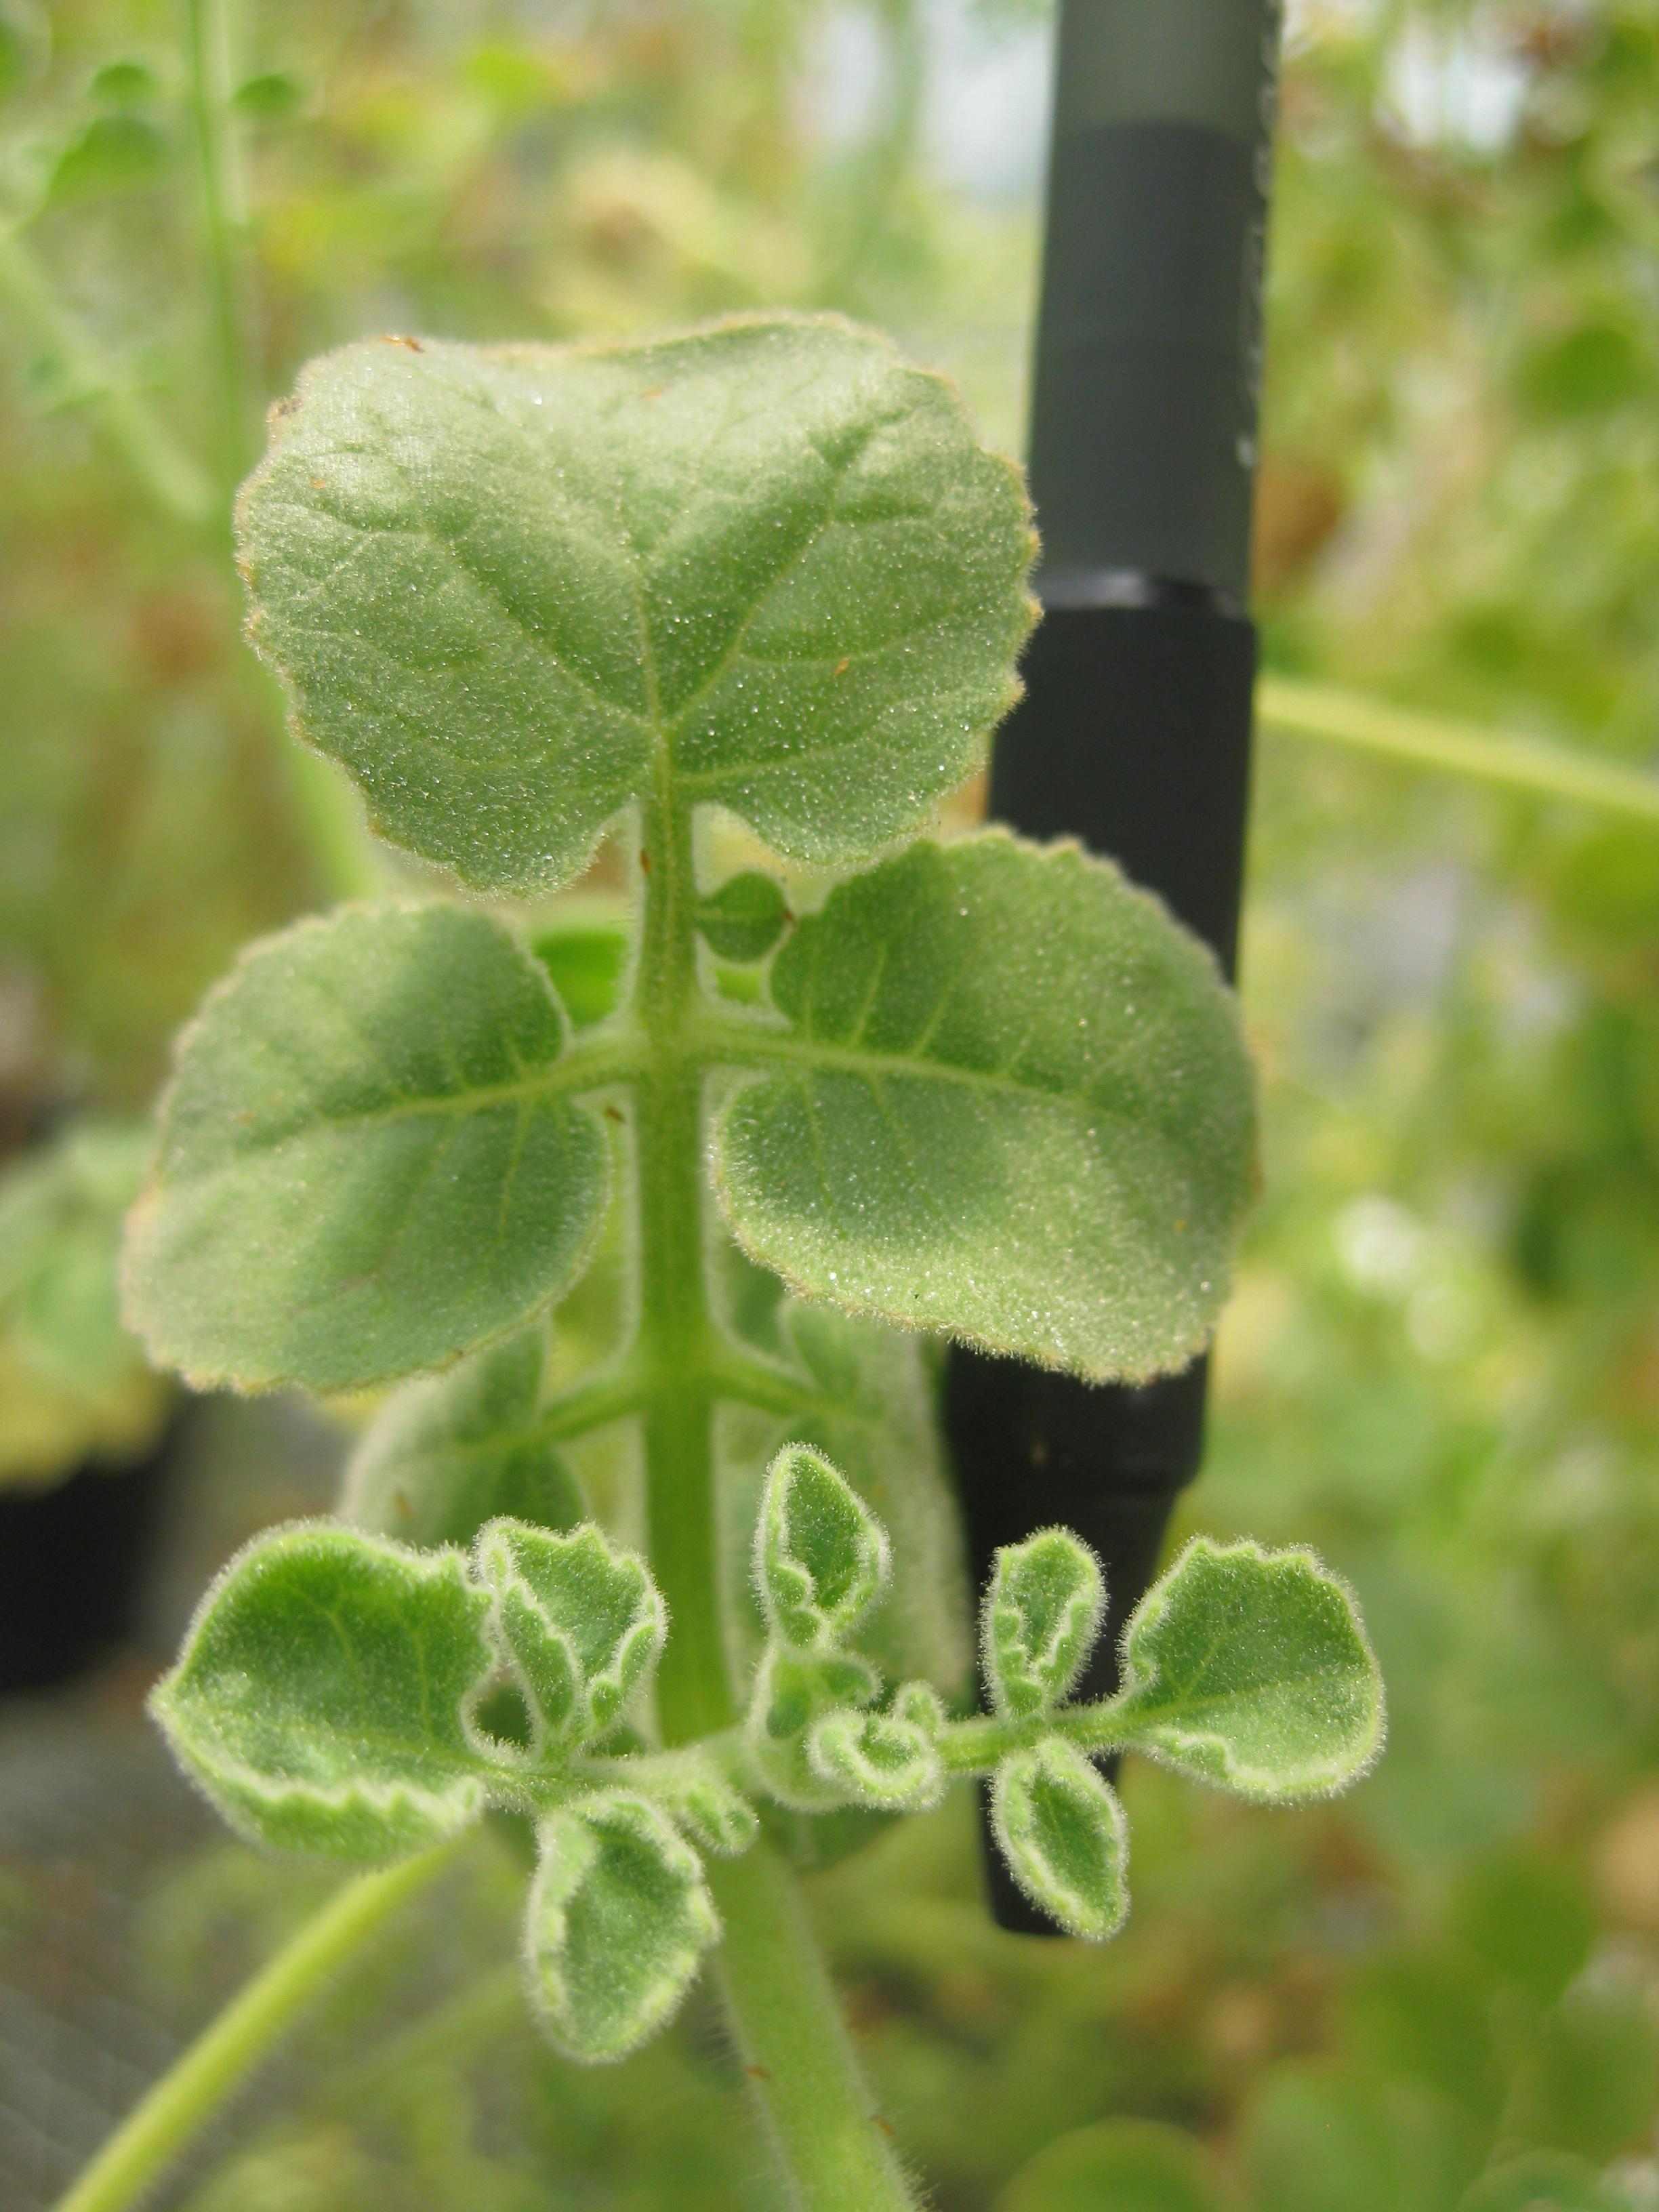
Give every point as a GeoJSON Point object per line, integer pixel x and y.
{"type": "Point", "coordinates": [1443, 1363]}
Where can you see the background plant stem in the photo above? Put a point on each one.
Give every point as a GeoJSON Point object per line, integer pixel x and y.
{"type": "Point", "coordinates": [1333, 715]}
{"type": "Point", "coordinates": [209, 47]}
{"type": "Point", "coordinates": [172, 476]}
{"type": "Point", "coordinates": [220, 2059]}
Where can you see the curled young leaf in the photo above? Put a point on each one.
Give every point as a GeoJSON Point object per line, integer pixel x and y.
{"type": "Point", "coordinates": [447, 1452]}
{"type": "Point", "coordinates": [821, 1557]}
{"type": "Point", "coordinates": [1250, 1668]}
{"type": "Point", "coordinates": [867, 1403]}
{"type": "Point", "coordinates": [1040, 1619]}
{"type": "Point", "coordinates": [745, 918]}
{"type": "Point", "coordinates": [581, 1619]}
{"type": "Point", "coordinates": [618, 1920]}
{"type": "Point", "coordinates": [1061, 1829]}
{"type": "Point", "coordinates": [792, 1692]}
{"type": "Point", "coordinates": [701, 1803]}
{"type": "Point", "coordinates": [1012, 1103]}
{"type": "Point", "coordinates": [322, 1697]}
{"type": "Point", "coordinates": [767, 555]}
{"type": "Point", "coordinates": [880, 1760]}
{"type": "Point", "coordinates": [369, 1161]}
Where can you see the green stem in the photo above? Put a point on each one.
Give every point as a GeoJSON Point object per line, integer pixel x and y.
{"type": "Point", "coordinates": [220, 2059]}
{"type": "Point", "coordinates": [1346, 718]}
{"type": "Point", "coordinates": [209, 47]}
{"type": "Point", "coordinates": [831, 2139]}
{"type": "Point", "coordinates": [170, 476]}
{"type": "Point", "coordinates": [782, 2008]}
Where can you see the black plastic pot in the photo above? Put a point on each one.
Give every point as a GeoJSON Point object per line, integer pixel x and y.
{"type": "Point", "coordinates": [72, 1562]}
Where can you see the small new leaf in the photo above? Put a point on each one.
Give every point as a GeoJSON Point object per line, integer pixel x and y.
{"type": "Point", "coordinates": [322, 1695]}
{"type": "Point", "coordinates": [367, 1161]}
{"type": "Point", "coordinates": [880, 1760]}
{"type": "Point", "coordinates": [1250, 1668]}
{"type": "Point", "coordinates": [700, 1800]}
{"type": "Point", "coordinates": [792, 1692]}
{"type": "Point", "coordinates": [1061, 1829]}
{"type": "Point", "coordinates": [618, 1921]}
{"type": "Point", "coordinates": [1041, 1616]}
{"type": "Point", "coordinates": [1013, 1104]}
{"type": "Point", "coordinates": [581, 1619]}
{"type": "Point", "coordinates": [821, 1557]}
{"type": "Point", "coordinates": [745, 918]}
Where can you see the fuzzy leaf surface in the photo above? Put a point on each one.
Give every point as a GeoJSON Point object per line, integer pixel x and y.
{"type": "Point", "coordinates": [450, 1452]}
{"type": "Point", "coordinates": [581, 1618]}
{"type": "Point", "coordinates": [321, 1696]}
{"type": "Point", "coordinates": [792, 1692]}
{"type": "Point", "coordinates": [767, 553]}
{"type": "Point", "coordinates": [618, 1921]}
{"type": "Point", "coordinates": [886, 1760]}
{"type": "Point", "coordinates": [704, 1806]}
{"type": "Point", "coordinates": [1042, 1613]}
{"type": "Point", "coordinates": [1061, 1829]}
{"type": "Point", "coordinates": [867, 1405]}
{"type": "Point", "coordinates": [369, 1162]}
{"type": "Point", "coordinates": [745, 918]}
{"type": "Point", "coordinates": [1250, 1668]}
{"type": "Point", "coordinates": [1012, 1103]}
{"type": "Point", "coordinates": [821, 1556]}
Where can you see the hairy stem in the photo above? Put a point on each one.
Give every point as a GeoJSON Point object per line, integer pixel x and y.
{"type": "Point", "coordinates": [220, 2059]}
{"type": "Point", "coordinates": [838, 2149]}
{"type": "Point", "coordinates": [778, 1995]}
{"type": "Point", "coordinates": [694, 1694]}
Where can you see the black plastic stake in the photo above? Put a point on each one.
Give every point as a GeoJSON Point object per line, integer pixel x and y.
{"type": "Point", "coordinates": [1135, 732]}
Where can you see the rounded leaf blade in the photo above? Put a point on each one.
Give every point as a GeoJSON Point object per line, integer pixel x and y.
{"type": "Point", "coordinates": [1062, 1830]}
{"type": "Point", "coordinates": [1250, 1668]}
{"type": "Point", "coordinates": [369, 1163]}
{"type": "Point", "coordinates": [618, 1921]}
{"type": "Point", "coordinates": [321, 1696]}
{"type": "Point", "coordinates": [767, 555]}
{"type": "Point", "coordinates": [1013, 1104]}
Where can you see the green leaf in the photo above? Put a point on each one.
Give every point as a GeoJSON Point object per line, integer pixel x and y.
{"type": "Point", "coordinates": [444, 1455]}
{"type": "Point", "coordinates": [792, 1692]}
{"type": "Point", "coordinates": [323, 1694]}
{"type": "Point", "coordinates": [745, 918]}
{"type": "Point", "coordinates": [867, 1404]}
{"type": "Point", "coordinates": [821, 1556]}
{"type": "Point", "coordinates": [125, 85]}
{"type": "Point", "coordinates": [1042, 1614]}
{"type": "Point", "coordinates": [587, 956]}
{"type": "Point", "coordinates": [269, 97]}
{"type": "Point", "coordinates": [1061, 1829]}
{"type": "Point", "coordinates": [888, 1761]}
{"type": "Point", "coordinates": [1012, 1102]}
{"type": "Point", "coordinates": [116, 153]}
{"type": "Point", "coordinates": [1250, 1668]}
{"type": "Point", "coordinates": [701, 1803]}
{"type": "Point", "coordinates": [368, 1161]}
{"type": "Point", "coordinates": [1129, 2165]}
{"type": "Point", "coordinates": [767, 555]}
{"type": "Point", "coordinates": [581, 1618]}
{"type": "Point", "coordinates": [72, 1381]}
{"type": "Point", "coordinates": [1544, 2181]}
{"type": "Point", "coordinates": [619, 1919]}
